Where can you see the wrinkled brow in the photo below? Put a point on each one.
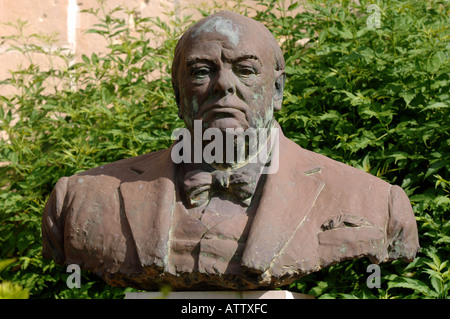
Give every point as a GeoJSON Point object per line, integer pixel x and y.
{"type": "Point", "coordinates": [198, 59]}
{"type": "Point", "coordinates": [203, 59]}
{"type": "Point", "coordinates": [245, 57]}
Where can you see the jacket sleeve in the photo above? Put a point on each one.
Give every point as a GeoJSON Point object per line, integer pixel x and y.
{"type": "Point", "coordinates": [53, 223]}
{"type": "Point", "coordinates": [402, 235]}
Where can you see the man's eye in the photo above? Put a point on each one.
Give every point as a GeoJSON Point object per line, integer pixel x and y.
{"type": "Point", "coordinates": [201, 73]}
{"type": "Point", "coordinates": [245, 71]}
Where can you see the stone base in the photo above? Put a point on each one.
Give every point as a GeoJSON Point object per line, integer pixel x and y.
{"type": "Point", "coordinates": [249, 294]}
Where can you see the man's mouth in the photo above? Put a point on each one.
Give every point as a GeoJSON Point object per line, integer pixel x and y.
{"type": "Point", "coordinates": [218, 112]}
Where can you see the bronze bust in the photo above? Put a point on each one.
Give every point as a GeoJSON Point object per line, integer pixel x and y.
{"type": "Point", "coordinates": [220, 223]}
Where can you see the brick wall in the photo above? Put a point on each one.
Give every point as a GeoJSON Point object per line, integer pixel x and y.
{"type": "Point", "coordinates": [65, 19]}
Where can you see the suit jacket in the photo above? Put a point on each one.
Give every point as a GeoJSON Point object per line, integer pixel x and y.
{"type": "Point", "coordinates": [115, 220]}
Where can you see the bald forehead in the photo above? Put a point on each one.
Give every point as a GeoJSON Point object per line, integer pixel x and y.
{"type": "Point", "coordinates": [230, 31]}
{"type": "Point", "coordinates": [232, 25]}
{"type": "Point", "coordinates": [221, 25]}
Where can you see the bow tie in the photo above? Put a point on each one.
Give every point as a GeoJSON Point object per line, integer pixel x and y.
{"type": "Point", "coordinates": [199, 184]}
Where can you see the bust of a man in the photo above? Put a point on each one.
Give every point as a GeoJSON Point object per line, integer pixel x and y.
{"type": "Point", "coordinates": [232, 204]}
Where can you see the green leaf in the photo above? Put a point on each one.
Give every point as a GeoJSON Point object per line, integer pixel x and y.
{"type": "Point", "coordinates": [414, 284]}
{"type": "Point", "coordinates": [435, 257]}
{"type": "Point", "coordinates": [319, 289]}
{"type": "Point", "coordinates": [436, 105]}
{"type": "Point", "coordinates": [346, 34]}
{"type": "Point", "coordinates": [407, 97]}
{"type": "Point", "coordinates": [436, 166]}
{"type": "Point", "coordinates": [6, 262]}
{"type": "Point", "coordinates": [435, 62]}
{"type": "Point", "coordinates": [293, 6]}
{"type": "Point", "coordinates": [348, 296]}
{"type": "Point", "coordinates": [94, 59]}
{"type": "Point", "coordinates": [436, 283]}
{"type": "Point", "coordinates": [85, 59]}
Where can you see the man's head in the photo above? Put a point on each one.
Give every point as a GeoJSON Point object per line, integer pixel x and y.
{"type": "Point", "coordinates": [228, 71]}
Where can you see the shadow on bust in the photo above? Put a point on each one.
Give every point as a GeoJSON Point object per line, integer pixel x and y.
{"type": "Point", "coordinates": [249, 209]}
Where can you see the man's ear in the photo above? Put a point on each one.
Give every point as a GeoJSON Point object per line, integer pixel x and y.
{"type": "Point", "coordinates": [177, 99]}
{"type": "Point", "coordinates": [280, 79]}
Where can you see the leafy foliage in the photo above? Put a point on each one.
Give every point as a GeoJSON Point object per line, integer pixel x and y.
{"type": "Point", "coordinates": [375, 98]}
{"type": "Point", "coordinates": [9, 290]}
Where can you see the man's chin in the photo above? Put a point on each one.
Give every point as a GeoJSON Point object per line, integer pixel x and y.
{"type": "Point", "coordinates": [227, 123]}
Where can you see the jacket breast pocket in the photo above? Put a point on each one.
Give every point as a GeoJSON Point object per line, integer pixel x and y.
{"type": "Point", "coordinates": [344, 243]}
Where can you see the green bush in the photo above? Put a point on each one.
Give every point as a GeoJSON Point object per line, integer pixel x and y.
{"type": "Point", "coordinates": [9, 290]}
{"type": "Point", "coordinates": [375, 97]}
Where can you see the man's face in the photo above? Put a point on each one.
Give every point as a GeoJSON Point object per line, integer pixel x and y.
{"type": "Point", "coordinates": [227, 77]}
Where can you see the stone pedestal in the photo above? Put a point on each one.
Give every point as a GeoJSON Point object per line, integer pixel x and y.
{"type": "Point", "coordinates": [257, 294]}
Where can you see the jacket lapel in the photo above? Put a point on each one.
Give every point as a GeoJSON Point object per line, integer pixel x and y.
{"type": "Point", "coordinates": [148, 203]}
{"type": "Point", "coordinates": [278, 217]}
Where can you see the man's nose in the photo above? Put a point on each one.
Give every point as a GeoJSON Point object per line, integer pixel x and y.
{"type": "Point", "coordinates": [225, 82]}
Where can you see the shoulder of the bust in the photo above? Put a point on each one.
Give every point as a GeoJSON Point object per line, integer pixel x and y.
{"type": "Point", "coordinates": [334, 171]}
{"type": "Point", "coordinates": [101, 184]}
{"type": "Point", "coordinates": [125, 169]}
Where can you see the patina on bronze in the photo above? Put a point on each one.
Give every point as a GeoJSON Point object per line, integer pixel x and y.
{"type": "Point", "coordinates": [146, 221]}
